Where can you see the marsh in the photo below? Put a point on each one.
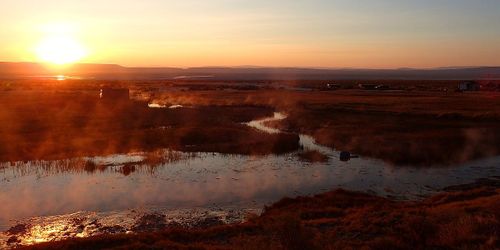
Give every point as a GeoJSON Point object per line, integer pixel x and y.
{"type": "Point", "coordinates": [67, 155]}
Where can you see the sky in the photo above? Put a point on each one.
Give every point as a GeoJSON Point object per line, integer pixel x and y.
{"type": "Point", "coordinates": [295, 33]}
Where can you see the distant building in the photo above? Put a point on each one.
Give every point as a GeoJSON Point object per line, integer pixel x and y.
{"type": "Point", "coordinates": [114, 94]}
{"type": "Point", "coordinates": [468, 86]}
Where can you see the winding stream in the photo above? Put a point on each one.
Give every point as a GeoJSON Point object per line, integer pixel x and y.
{"type": "Point", "coordinates": [50, 192]}
{"type": "Point", "coordinates": [306, 142]}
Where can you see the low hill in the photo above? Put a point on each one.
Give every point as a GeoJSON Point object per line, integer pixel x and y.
{"type": "Point", "coordinates": [113, 71]}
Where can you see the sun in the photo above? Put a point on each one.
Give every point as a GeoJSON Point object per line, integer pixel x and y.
{"type": "Point", "coordinates": [60, 49]}
{"type": "Point", "coordinates": [58, 44]}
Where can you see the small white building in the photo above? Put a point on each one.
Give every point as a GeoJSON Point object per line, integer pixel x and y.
{"type": "Point", "coordinates": [468, 86]}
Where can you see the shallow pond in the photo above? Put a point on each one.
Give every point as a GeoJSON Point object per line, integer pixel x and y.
{"type": "Point", "coordinates": [216, 182]}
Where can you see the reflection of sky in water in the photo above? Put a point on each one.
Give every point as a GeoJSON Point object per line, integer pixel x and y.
{"type": "Point", "coordinates": [260, 124]}
{"type": "Point", "coordinates": [211, 180]}
{"type": "Point", "coordinates": [156, 105]}
{"type": "Point", "coordinates": [216, 179]}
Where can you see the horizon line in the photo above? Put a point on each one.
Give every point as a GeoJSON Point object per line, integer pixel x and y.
{"type": "Point", "coordinates": [255, 66]}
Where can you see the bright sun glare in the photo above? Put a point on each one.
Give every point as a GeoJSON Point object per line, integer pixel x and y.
{"type": "Point", "coordinates": [59, 46]}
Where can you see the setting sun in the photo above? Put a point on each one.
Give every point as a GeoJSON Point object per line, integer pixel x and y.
{"type": "Point", "coordinates": [60, 49]}
{"type": "Point", "coordinates": [58, 44]}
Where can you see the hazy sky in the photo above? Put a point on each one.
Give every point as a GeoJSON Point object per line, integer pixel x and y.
{"type": "Point", "coordinates": [319, 33]}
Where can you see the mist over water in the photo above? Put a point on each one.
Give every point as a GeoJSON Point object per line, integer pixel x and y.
{"type": "Point", "coordinates": [126, 181]}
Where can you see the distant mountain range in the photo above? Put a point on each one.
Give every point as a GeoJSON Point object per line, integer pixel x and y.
{"type": "Point", "coordinates": [113, 71]}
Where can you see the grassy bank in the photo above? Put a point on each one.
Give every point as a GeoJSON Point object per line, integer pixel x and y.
{"type": "Point", "coordinates": [460, 219]}
{"type": "Point", "coordinates": [46, 125]}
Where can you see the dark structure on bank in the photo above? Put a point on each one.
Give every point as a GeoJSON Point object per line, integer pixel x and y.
{"type": "Point", "coordinates": [114, 94]}
{"type": "Point", "coordinates": [468, 86]}
{"type": "Point", "coordinates": [345, 156]}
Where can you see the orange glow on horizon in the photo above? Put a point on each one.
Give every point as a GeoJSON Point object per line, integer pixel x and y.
{"type": "Point", "coordinates": [190, 33]}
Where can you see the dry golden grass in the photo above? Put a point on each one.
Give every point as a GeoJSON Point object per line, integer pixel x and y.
{"type": "Point", "coordinates": [40, 125]}
{"type": "Point", "coordinates": [50, 120]}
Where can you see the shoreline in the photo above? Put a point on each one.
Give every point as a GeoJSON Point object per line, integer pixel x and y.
{"type": "Point", "coordinates": [340, 214]}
